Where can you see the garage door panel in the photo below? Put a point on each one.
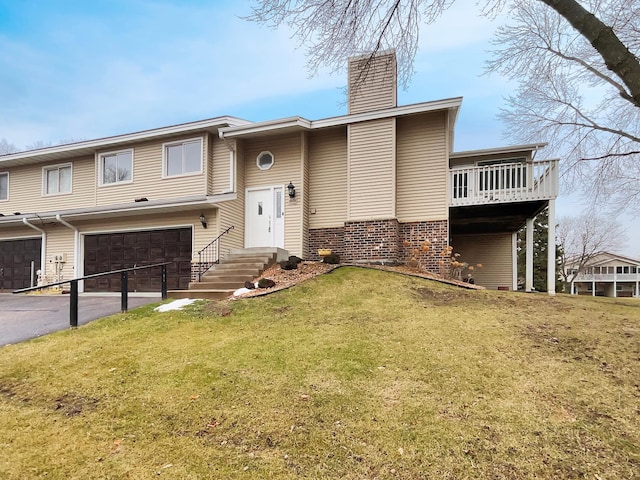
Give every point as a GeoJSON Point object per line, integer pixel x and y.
{"type": "Point", "coordinates": [124, 250]}
{"type": "Point", "coordinates": [15, 262]}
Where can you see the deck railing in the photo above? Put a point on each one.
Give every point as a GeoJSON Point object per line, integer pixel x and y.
{"type": "Point", "coordinates": [504, 183]}
{"type": "Point", "coordinates": [607, 277]}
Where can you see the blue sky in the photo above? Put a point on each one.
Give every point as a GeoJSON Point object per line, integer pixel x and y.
{"type": "Point", "coordinates": [72, 69]}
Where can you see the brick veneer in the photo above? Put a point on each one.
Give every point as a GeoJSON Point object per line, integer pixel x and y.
{"type": "Point", "coordinates": [332, 238]}
{"type": "Point", "coordinates": [413, 234]}
{"type": "Point", "coordinates": [372, 241]}
{"type": "Point", "coordinates": [384, 241]}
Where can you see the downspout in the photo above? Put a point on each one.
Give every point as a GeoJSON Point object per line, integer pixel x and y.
{"type": "Point", "coordinates": [43, 252]}
{"type": "Point", "coordinates": [76, 243]}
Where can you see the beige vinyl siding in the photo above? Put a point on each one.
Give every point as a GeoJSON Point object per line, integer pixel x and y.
{"type": "Point", "coordinates": [372, 84]}
{"type": "Point", "coordinates": [286, 151]}
{"type": "Point", "coordinates": [494, 252]}
{"type": "Point", "coordinates": [371, 170]}
{"type": "Point", "coordinates": [25, 188]}
{"type": "Point", "coordinates": [219, 171]}
{"type": "Point", "coordinates": [232, 212]}
{"type": "Point", "coordinates": [60, 242]}
{"type": "Point", "coordinates": [17, 233]}
{"type": "Point", "coordinates": [147, 178]}
{"type": "Point", "coordinates": [422, 168]}
{"type": "Point", "coordinates": [328, 178]}
{"type": "Point", "coordinates": [304, 208]}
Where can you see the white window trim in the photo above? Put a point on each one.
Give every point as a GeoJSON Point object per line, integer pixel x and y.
{"type": "Point", "coordinates": [44, 179]}
{"type": "Point", "coordinates": [8, 180]}
{"type": "Point", "coordinates": [181, 142]}
{"type": "Point", "coordinates": [101, 170]}
{"type": "Point", "coordinates": [273, 160]}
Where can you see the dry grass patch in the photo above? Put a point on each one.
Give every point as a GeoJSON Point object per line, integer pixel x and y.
{"type": "Point", "coordinates": [355, 374]}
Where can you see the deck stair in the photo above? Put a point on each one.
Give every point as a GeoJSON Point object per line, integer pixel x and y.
{"type": "Point", "coordinates": [237, 267]}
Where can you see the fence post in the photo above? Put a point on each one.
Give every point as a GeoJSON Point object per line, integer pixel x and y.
{"type": "Point", "coordinates": [163, 288]}
{"type": "Point", "coordinates": [124, 291]}
{"type": "Point", "coordinates": [73, 305]}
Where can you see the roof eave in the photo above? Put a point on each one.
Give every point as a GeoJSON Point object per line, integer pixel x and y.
{"type": "Point", "coordinates": [125, 209]}
{"type": "Point", "coordinates": [88, 146]}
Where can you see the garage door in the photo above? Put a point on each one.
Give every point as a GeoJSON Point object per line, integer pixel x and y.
{"type": "Point", "coordinates": [114, 251]}
{"type": "Point", "coordinates": [15, 262]}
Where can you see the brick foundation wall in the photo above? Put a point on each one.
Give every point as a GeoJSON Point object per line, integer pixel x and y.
{"type": "Point", "coordinates": [332, 238]}
{"type": "Point", "coordinates": [386, 241]}
{"type": "Point", "coordinates": [372, 241]}
{"type": "Point", "coordinates": [414, 234]}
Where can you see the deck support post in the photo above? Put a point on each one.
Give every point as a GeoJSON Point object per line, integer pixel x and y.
{"type": "Point", "coordinates": [551, 249]}
{"type": "Point", "coordinates": [528, 278]}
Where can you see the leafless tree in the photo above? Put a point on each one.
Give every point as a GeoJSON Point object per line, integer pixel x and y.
{"type": "Point", "coordinates": [6, 147]}
{"type": "Point", "coordinates": [582, 238]}
{"type": "Point", "coordinates": [569, 97]}
{"type": "Point", "coordinates": [577, 66]}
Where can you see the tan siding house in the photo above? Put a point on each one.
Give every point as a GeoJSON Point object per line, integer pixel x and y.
{"type": "Point", "coordinates": [371, 185]}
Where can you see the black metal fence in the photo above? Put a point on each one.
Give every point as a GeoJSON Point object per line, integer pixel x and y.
{"type": "Point", "coordinates": [124, 288]}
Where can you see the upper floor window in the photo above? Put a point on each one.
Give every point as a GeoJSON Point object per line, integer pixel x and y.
{"type": "Point", "coordinates": [265, 160]}
{"type": "Point", "coordinates": [182, 158]}
{"type": "Point", "coordinates": [4, 186]}
{"type": "Point", "coordinates": [56, 179]}
{"type": "Point", "coordinates": [116, 167]}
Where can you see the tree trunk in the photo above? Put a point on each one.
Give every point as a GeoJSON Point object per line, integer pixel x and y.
{"type": "Point", "coordinates": [616, 55]}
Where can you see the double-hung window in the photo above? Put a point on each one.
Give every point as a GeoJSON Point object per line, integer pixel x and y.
{"type": "Point", "coordinates": [4, 186]}
{"type": "Point", "coordinates": [56, 180]}
{"type": "Point", "coordinates": [116, 167]}
{"type": "Point", "coordinates": [182, 158]}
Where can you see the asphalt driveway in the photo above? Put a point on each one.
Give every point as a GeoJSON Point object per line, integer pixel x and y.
{"type": "Point", "coordinates": [28, 316]}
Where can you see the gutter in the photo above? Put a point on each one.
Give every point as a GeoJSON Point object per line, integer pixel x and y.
{"type": "Point", "coordinates": [43, 252]}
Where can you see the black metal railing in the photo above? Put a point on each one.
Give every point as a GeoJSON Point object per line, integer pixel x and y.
{"type": "Point", "coordinates": [210, 255]}
{"type": "Point", "coordinates": [124, 288]}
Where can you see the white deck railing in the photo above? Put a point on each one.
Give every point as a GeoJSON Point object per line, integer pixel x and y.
{"type": "Point", "coordinates": [504, 183]}
{"type": "Point", "coordinates": [607, 277]}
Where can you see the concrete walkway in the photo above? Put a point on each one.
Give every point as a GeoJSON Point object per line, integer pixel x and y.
{"type": "Point", "coordinates": [23, 317]}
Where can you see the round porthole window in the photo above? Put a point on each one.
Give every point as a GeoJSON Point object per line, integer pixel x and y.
{"type": "Point", "coordinates": [265, 160]}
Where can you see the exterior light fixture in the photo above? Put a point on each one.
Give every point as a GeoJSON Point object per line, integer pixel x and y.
{"type": "Point", "coordinates": [292, 190]}
{"type": "Point", "coordinates": [203, 220]}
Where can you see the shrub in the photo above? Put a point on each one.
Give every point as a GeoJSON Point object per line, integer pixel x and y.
{"type": "Point", "coordinates": [288, 265]}
{"type": "Point", "coordinates": [333, 259]}
{"type": "Point", "coordinates": [266, 283]}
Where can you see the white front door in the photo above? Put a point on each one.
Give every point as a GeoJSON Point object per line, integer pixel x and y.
{"type": "Point", "coordinates": [264, 217]}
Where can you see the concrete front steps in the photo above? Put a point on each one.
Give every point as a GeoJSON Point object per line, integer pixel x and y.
{"type": "Point", "coordinates": [237, 267]}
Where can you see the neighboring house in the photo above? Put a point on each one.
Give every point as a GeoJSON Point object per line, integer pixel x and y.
{"type": "Point", "coordinates": [371, 185]}
{"type": "Point", "coordinates": [607, 275]}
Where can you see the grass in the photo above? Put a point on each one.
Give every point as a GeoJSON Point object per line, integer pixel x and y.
{"type": "Point", "coordinates": [356, 374]}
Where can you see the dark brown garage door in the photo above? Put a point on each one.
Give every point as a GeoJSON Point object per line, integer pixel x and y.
{"type": "Point", "coordinates": [15, 262]}
{"type": "Point", "coordinates": [114, 251]}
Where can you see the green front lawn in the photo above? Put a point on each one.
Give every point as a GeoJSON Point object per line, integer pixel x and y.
{"type": "Point", "coordinates": [355, 374]}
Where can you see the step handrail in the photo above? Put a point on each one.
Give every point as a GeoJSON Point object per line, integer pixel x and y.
{"type": "Point", "coordinates": [210, 254]}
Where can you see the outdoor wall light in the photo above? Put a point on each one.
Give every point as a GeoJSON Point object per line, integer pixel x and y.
{"type": "Point", "coordinates": [203, 220]}
{"type": "Point", "coordinates": [292, 190]}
